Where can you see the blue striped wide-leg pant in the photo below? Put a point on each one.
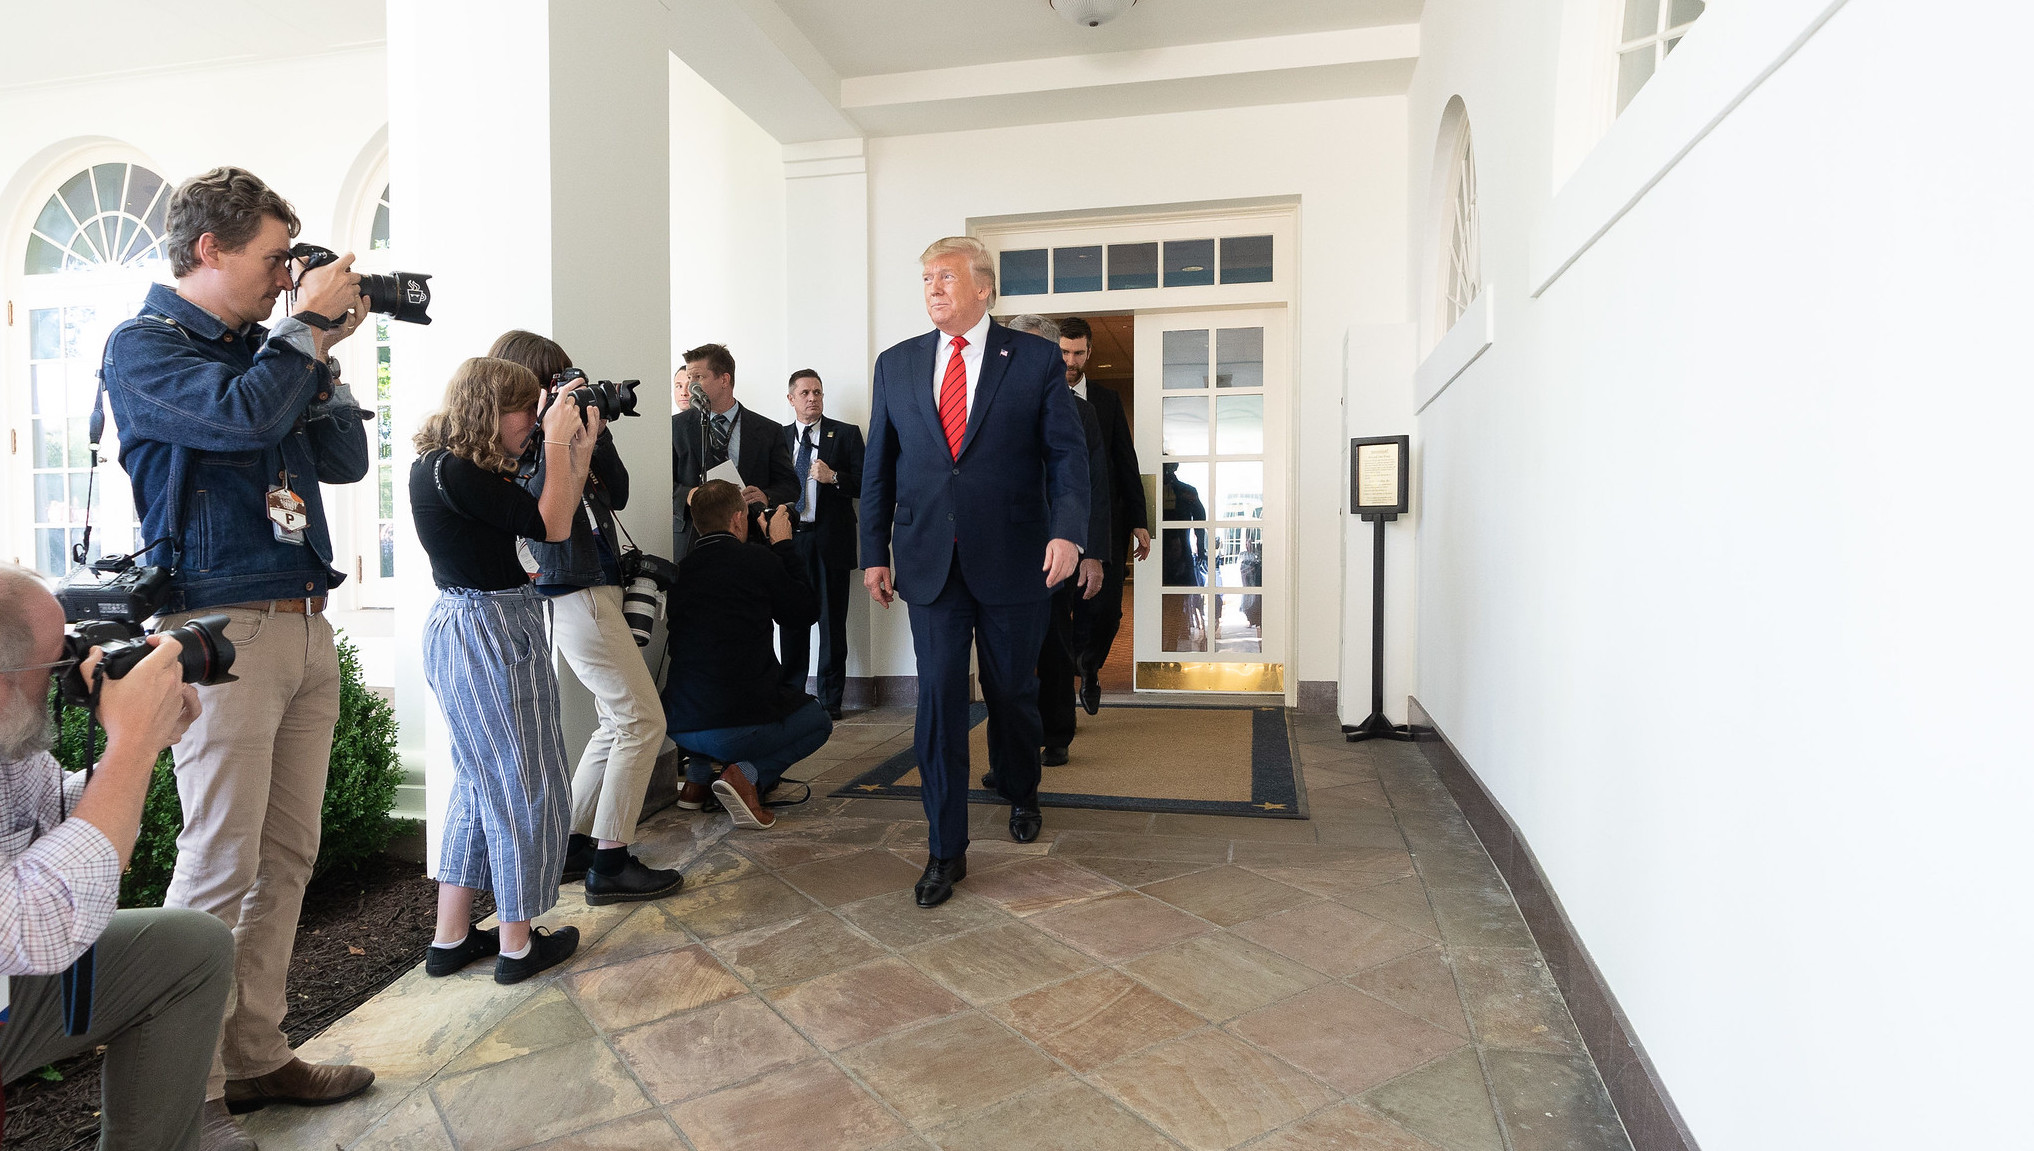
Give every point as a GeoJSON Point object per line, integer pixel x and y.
{"type": "Point", "coordinates": [487, 659]}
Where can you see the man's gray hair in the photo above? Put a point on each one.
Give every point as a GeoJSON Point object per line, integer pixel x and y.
{"type": "Point", "coordinates": [1036, 325]}
{"type": "Point", "coordinates": [25, 724]}
{"type": "Point", "coordinates": [979, 259]}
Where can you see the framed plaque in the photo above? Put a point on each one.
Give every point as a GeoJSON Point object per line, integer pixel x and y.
{"type": "Point", "coordinates": [1378, 470]}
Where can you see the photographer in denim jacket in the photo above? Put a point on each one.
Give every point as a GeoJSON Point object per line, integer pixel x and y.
{"type": "Point", "coordinates": [582, 577]}
{"type": "Point", "coordinates": [226, 431]}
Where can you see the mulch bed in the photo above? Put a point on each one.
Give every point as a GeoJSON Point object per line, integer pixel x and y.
{"type": "Point", "coordinates": [361, 929]}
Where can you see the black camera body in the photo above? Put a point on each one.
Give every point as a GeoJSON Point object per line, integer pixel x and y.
{"type": "Point", "coordinates": [404, 296]}
{"type": "Point", "coordinates": [613, 400]}
{"type": "Point", "coordinates": [106, 605]}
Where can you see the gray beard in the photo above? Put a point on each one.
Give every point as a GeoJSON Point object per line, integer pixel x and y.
{"type": "Point", "coordinates": [26, 733]}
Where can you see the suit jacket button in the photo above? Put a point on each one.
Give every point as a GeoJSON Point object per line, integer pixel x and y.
{"type": "Point", "coordinates": [956, 471]}
{"type": "Point", "coordinates": [949, 517]}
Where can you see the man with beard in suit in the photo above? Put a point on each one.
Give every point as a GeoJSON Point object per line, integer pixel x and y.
{"type": "Point", "coordinates": [1098, 618]}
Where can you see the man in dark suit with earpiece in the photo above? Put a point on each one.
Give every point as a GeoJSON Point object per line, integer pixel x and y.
{"type": "Point", "coordinates": [826, 456]}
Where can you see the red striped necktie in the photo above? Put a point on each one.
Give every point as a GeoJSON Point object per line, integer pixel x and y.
{"type": "Point", "coordinates": [953, 398]}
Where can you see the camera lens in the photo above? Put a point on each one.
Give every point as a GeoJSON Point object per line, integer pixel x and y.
{"type": "Point", "coordinates": [403, 295]}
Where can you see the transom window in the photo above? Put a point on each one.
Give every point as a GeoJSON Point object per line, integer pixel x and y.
{"type": "Point", "coordinates": [107, 215]}
{"type": "Point", "coordinates": [1651, 30]}
{"type": "Point", "coordinates": [1122, 267]}
{"type": "Point", "coordinates": [1464, 273]}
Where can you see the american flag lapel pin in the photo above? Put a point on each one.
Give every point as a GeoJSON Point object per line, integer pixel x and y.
{"type": "Point", "coordinates": [1006, 351]}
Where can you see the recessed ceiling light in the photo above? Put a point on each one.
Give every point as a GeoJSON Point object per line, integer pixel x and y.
{"type": "Point", "coordinates": [1090, 13]}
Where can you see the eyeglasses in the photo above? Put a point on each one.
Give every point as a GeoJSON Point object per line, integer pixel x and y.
{"type": "Point", "coordinates": [66, 664]}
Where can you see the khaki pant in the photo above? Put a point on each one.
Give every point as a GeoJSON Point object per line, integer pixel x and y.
{"type": "Point", "coordinates": [614, 771]}
{"type": "Point", "coordinates": [251, 775]}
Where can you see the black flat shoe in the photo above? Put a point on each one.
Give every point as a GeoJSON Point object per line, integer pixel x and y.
{"type": "Point", "coordinates": [578, 857]}
{"type": "Point", "coordinates": [633, 884]}
{"type": "Point", "coordinates": [1052, 757]}
{"type": "Point", "coordinates": [833, 713]}
{"type": "Point", "coordinates": [547, 949]}
{"type": "Point", "coordinates": [1026, 820]}
{"type": "Point", "coordinates": [936, 885]}
{"type": "Point", "coordinates": [1091, 693]}
{"type": "Point", "coordinates": [478, 944]}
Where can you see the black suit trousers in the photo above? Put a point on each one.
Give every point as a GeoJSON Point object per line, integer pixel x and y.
{"type": "Point", "coordinates": [1058, 662]}
{"type": "Point", "coordinates": [1097, 620]}
{"type": "Point", "coordinates": [795, 644]}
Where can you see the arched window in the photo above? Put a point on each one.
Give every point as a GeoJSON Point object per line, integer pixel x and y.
{"type": "Point", "coordinates": [87, 263]}
{"type": "Point", "coordinates": [108, 214]}
{"type": "Point", "coordinates": [1462, 277]}
{"type": "Point", "coordinates": [1651, 29]}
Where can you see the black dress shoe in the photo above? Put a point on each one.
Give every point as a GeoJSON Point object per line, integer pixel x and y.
{"type": "Point", "coordinates": [936, 885]}
{"type": "Point", "coordinates": [1091, 693]}
{"type": "Point", "coordinates": [547, 949]}
{"type": "Point", "coordinates": [579, 851]}
{"type": "Point", "coordinates": [634, 883]}
{"type": "Point", "coordinates": [1026, 820]}
{"type": "Point", "coordinates": [988, 781]}
{"type": "Point", "coordinates": [1052, 757]}
{"type": "Point", "coordinates": [478, 944]}
{"type": "Point", "coordinates": [833, 713]}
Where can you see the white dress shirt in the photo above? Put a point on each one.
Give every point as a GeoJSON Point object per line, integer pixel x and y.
{"type": "Point", "coordinates": [811, 481]}
{"type": "Point", "coordinates": [970, 356]}
{"type": "Point", "coordinates": [1081, 389]}
{"type": "Point", "coordinates": [734, 434]}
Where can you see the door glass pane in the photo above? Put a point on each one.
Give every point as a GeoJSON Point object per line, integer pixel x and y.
{"type": "Point", "coordinates": [1186, 425]}
{"type": "Point", "coordinates": [1023, 273]}
{"type": "Point", "coordinates": [80, 455]}
{"type": "Point", "coordinates": [1184, 557]}
{"type": "Point", "coordinates": [49, 551]}
{"type": "Point", "coordinates": [1641, 18]}
{"type": "Point", "coordinates": [1238, 557]}
{"type": "Point", "coordinates": [45, 334]}
{"type": "Point", "coordinates": [1238, 623]}
{"type": "Point", "coordinates": [48, 440]}
{"type": "Point", "coordinates": [1186, 359]}
{"type": "Point", "coordinates": [1246, 260]}
{"type": "Point", "coordinates": [387, 551]}
{"type": "Point", "coordinates": [49, 499]}
{"type": "Point", "coordinates": [1239, 358]}
{"type": "Point", "coordinates": [1183, 623]}
{"type": "Point", "coordinates": [1181, 495]}
{"type": "Point", "coordinates": [1634, 68]}
{"type": "Point", "coordinates": [1077, 269]}
{"type": "Point", "coordinates": [1133, 266]}
{"type": "Point", "coordinates": [1239, 491]}
{"type": "Point", "coordinates": [1189, 263]}
{"type": "Point", "coordinates": [1239, 425]}
{"type": "Point", "coordinates": [1685, 11]}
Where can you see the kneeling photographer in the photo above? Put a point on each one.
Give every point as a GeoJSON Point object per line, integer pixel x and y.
{"type": "Point", "coordinates": [158, 979]}
{"type": "Point", "coordinates": [227, 429]}
{"type": "Point", "coordinates": [582, 577]}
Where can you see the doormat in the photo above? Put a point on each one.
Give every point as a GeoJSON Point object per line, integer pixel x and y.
{"type": "Point", "coordinates": [1192, 760]}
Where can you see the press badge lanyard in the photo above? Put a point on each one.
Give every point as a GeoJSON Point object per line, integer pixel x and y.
{"type": "Point", "coordinates": [287, 512]}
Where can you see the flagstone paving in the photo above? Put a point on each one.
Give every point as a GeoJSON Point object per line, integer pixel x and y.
{"type": "Point", "coordinates": [1359, 979]}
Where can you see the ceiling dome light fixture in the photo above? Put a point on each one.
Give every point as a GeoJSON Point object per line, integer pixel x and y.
{"type": "Point", "coordinates": [1091, 13]}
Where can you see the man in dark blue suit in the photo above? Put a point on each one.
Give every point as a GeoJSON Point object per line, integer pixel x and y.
{"type": "Point", "coordinates": [976, 484]}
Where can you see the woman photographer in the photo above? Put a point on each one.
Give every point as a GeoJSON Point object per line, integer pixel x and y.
{"type": "Point", "coordinates": [582, 577]}
{"type": "Point", "coordinates": [487, 659]}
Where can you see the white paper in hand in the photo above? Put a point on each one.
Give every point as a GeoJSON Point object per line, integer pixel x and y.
{"type": "Point", "coordinates": [725, 470]}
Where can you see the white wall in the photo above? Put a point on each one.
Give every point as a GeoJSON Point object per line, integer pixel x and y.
{"type": "Point", "coordinates": [727, 240]}
{"type": "Point", "coordinates": [1723, 570]}
{"type": "Point", "coordinates": [1343, 159]}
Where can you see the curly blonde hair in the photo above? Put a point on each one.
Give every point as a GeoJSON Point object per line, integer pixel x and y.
{"type": "Point", "coordinates": [468, 423]}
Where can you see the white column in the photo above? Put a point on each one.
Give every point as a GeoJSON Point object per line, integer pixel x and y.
{"type": "Point", "coordinates": [529, 151]}
{"type": "Point", "coordinates": [826, 241]}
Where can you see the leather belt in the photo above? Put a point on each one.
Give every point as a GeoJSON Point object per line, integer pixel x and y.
{"type": "Point", "coordinates": [312, 606]}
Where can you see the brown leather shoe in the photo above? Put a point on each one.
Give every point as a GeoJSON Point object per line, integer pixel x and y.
{"type": "Point", "coordinates": [692, 796]}
{"type": "Point", "coordinates": [298, 1082]}
{"type": "Point", "coordinates": [221, 1132]}
{"type": "Point", "coordinates": [739, 796]}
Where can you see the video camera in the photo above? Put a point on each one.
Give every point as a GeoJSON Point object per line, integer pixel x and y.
{"type": "Point", "coordinates": [105, 605]}
{"type": "Point", "coordinates": [613, 400]}
{"type": "Point", "coordinates": [400, 295]}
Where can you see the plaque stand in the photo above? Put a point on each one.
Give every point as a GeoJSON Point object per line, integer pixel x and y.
{"type": "Point", "coordinates": [1376, 726]}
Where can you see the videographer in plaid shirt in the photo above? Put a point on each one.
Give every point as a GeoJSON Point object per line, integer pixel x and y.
{"type": "Point", "coordinates": [160, 976]}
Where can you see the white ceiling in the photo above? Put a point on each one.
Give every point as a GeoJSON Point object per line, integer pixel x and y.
{"type": "Point", "coordinates": [872, 37]}
{"type": "Point", "coordinates": [47, 43]}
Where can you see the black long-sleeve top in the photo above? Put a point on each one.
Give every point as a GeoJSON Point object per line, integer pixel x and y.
{"type": "Point", "coordinates": [725, 606]}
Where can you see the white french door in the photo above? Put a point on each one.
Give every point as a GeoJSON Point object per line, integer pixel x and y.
{"type": "Point", "coordinates": [1213, 600]}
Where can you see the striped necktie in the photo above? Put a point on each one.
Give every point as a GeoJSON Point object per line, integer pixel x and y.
{"type": "Point", "coordinates": [953, 398]}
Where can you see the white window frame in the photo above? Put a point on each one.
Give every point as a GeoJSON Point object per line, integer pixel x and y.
{"type": "Point", "coordinates": [26, 294]}
{"type": "Point", "coordinates": [354, 509]}
{"type": "Point", "coordinates": [1661, 40]}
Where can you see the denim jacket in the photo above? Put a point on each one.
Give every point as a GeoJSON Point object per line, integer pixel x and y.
{"type": "Point", "coordinates": [576, 562]}
{"type": "Point", "coordinates": [209, 420]}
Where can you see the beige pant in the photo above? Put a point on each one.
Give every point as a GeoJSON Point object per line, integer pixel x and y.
{"type": "Point", "coordinates": [251, 775]}
{"type": "Point", "coordinates": [614, 771]}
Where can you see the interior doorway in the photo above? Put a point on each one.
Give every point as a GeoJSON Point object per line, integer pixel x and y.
{"type": "Point", "coordinates": [1112, 365]}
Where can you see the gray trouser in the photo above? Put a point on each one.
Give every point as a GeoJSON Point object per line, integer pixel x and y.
{"type": "Point", "coordinates": [161, 978]}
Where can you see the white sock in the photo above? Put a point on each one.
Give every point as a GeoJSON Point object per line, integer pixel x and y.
{"type": "Point", "coordinates": [459, 942]}
{"type": "Point", "coordinates": [523, 952]}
